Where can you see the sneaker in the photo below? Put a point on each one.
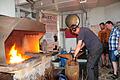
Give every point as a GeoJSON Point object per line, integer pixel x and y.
{"type": "Point", "coordinates": [102, 65]}
{"type": "Point", "coordinates": [107, 66]}
{"type": "Point", "coordinates": [114, 76]}
{"type": "Point", "coordinates": [111, 72]}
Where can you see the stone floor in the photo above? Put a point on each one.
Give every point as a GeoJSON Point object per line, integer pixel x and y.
{"type": "Point", "coordinates": [103, 74]}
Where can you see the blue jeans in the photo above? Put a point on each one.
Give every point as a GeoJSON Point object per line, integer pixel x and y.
{"type": "Point", "coordinates": [112, 56]}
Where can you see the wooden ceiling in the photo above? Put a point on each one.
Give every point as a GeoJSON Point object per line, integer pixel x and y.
{"type": "Point", "coordinates": [66, 5]}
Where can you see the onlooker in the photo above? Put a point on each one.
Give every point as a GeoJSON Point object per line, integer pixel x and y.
{"type": "Point", "coordinates": [114, 45]}
{"type": "Point", "coordinates": [103, 35]}
{"type": "Point", "coordinates": [87, 38]}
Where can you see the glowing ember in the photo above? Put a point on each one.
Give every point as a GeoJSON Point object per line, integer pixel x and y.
{"type": "Point", "coordinates": [15, 57]}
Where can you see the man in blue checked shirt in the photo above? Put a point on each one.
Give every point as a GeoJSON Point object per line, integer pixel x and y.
{"type": "Point", "coordinates": [114, 45]}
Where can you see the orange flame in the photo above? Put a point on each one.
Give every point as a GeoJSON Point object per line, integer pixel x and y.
{"type": "Point", "coordinates": [15, 57]}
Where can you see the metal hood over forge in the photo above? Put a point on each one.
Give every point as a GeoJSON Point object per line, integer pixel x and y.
{"type": "Point", "coordinates": [21, 32]}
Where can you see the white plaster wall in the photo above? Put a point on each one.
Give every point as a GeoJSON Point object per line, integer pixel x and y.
{"type": "Point", "coordinates": [112, 12]}
{"type": "Point", "coordinates": [7, 7]}
{"type": "Point", "coordinates": [96, 15]}
{"type": "Point", "coordinates": [102, 14]}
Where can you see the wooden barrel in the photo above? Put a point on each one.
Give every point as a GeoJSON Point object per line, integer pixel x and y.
{"type": "Point", "coordinates": [72, 70]}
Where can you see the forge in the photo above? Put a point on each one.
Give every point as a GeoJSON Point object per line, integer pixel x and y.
{"type": "Point", "coordinates": [19, 36]}
{"type": "Point", "coordinates": [22, 34]}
